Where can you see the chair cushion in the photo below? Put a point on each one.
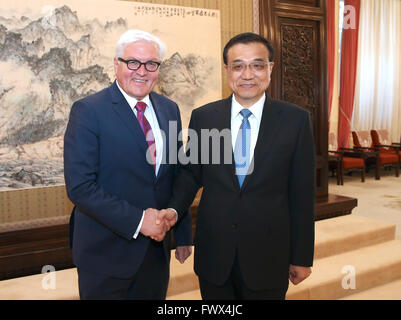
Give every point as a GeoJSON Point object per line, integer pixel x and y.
{"type": "Point", "coordinates": [386, 157]}
{"type": "Point", "coordinates": [349, 163]}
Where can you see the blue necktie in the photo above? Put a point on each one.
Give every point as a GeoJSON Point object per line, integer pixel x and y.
{"type": "Point", "coordinates": [242, 147]}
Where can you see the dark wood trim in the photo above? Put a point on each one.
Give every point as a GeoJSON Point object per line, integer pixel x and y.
{"type": "Point", "coordinates": [25, 252]}
{"type": "Point", "coordinates": [334, 206]}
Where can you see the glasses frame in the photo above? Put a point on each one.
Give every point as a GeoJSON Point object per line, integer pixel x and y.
{"type": "Point", "coordinates": [140, 64]}
{"type": "Point", "coordinates": [248, 65]}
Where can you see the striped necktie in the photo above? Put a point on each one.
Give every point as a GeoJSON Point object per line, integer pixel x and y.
{"type": "Point", "coordinates": [147, 130]}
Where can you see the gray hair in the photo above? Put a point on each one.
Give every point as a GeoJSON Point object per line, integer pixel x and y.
{"type": "Point", "coordinates": [133, 35]}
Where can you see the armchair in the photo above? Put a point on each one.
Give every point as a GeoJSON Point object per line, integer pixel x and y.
{"type": "Point", "coordinates": [382, 142]}
{"type": "Point", "coordinates": [363, 141]}
{"type": "Point", "coordinates": [342, 159]}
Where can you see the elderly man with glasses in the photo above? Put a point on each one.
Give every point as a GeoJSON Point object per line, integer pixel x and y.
{"type": "Point", "coordinates": [117, 178]}
{"type": "Point", "coordinates": [255, 224]}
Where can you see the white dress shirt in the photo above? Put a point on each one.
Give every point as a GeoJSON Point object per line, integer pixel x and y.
{"type": "Point", "coordinates": [254, 121]}
{"type": "Point", "coordinates": [152, 119]}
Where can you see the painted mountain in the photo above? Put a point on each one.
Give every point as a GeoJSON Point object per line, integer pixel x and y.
{"type": "Point", "coordinates": [185, 80]}
{"type": "Point", "coordinates": [45, 65]}
{"type": "Point", "coordinates": [49, 62]}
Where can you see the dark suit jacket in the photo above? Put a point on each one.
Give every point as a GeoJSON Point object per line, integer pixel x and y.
{"type": "Point", "coordinates": [269, 222]}
{"type": "Point", "coordinates": [110, 182]}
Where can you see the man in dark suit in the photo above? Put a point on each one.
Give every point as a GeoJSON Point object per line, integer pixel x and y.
{"type": "Point", "coordinates": [116, 174]}
{"type": "Point", "coordinates": [255, 222]}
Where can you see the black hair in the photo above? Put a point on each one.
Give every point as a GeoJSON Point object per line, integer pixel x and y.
{"type": "Point", "coordinates": [248, 37]}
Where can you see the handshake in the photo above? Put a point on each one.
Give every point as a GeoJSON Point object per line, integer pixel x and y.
{"type": "Point", "coordinates": [156, 223]}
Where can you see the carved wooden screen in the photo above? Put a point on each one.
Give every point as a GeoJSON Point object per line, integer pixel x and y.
{"type": "Point", "coordinates": [297, 30]}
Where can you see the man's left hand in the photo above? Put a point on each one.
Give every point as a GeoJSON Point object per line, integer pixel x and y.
{"type": "Point", "coordinates": [299, 273]}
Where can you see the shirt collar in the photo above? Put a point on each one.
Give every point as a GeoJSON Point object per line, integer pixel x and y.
{"type": "Point", "coordinates": [256, 108]}
{"type": "Point", "coordinates": [131, 100]}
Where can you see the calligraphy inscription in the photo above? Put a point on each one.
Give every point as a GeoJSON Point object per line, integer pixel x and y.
{"type": "Point", "coordinates": [168, 11]}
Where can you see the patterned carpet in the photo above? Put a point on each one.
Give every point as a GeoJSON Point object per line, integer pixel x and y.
{"type": "Point", "coordinates": [377, 199]}
{"type": "Point", "coordinates": [394, 203]}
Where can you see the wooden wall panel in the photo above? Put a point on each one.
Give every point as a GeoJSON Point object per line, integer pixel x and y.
{"type": "Point", "coordinates": [25, 252]}
{"type": "Point", "coordinates": [297, 30]}
{"type": "Point", "coordinates": [31, 204]}
{"type": "Point", "coordinates": [309, 3]}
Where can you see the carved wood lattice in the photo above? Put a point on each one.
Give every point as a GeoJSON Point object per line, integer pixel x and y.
{"type": "Point", "coordinates": [298, 66]}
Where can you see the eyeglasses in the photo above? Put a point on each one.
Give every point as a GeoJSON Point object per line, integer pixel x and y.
{"type": "Point", "coordinates": [134, 65]}
{"type": "Point", "coordinates": [256, 66]}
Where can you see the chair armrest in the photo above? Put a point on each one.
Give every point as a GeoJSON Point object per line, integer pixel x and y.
{"type": "Point", "coordinates": [335, 156]}
{"type": "Point", "coordinates": [352, 153]}
{"type": "Point", "coordinates": [351, 150]}
{"type": "Point", "coordinates": [367, 150]}
{"type": "Point", "coordinates": [384, 146]}
{"type": "Point", "coordinates": [363, 148]}
{"type": "Point", "coordinates": [396, 146]}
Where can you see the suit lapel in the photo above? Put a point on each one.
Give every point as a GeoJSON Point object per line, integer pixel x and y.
{"type": "Point", "coordinates": [127, 116]}
{"type": "Point", "coordinates": [122, 108]}
{"type": "Point", "coordinates": [268, 132]}
{"type": "Point", "coordinates": [224, 121]}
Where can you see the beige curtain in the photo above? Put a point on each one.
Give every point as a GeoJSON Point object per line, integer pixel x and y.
{"type": "Point", "coordinates": [378, 84]}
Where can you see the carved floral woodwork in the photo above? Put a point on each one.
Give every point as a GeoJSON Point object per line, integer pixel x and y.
{"type": "Point", "coordinates": [298, 66]}
{"type": "Point", "coordinates": [297, 31]}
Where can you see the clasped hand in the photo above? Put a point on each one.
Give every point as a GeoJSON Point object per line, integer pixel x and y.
{"type": "Point", "coordinates": [156, 223]}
